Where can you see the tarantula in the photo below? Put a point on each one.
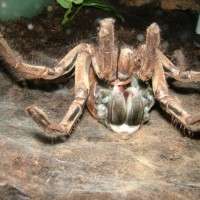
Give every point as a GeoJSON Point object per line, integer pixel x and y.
{"type": "Point", "coordinates": [113, 82]}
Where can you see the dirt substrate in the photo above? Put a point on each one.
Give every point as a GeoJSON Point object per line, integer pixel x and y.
{"type": "Point", "coordinates": [158, 162]}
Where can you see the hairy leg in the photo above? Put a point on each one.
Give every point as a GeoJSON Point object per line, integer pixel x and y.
{"type": "Point", "coordinates": [146, 53]}
{"type": "Point", "coordinates": [152, 62]}
{"type": "Point", "coordinates": [105, 60]}
{"type": "Point", "coordinates": [65, 66]}
{"type": "Point", "coordinates": [160, 89]}
{"type": "Point", "coordinates": [176, 73]}
{"type": "Point", "coordinates": [52, 129]}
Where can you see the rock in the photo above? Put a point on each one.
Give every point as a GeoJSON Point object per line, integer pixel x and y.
{"type": "Point", "coordinates": [180, 4]}
{"type": "Point", "coordinates": [166, 4]}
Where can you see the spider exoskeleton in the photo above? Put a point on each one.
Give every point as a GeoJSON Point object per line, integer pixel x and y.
{"type": "Point", "coordinates": [114, 82]}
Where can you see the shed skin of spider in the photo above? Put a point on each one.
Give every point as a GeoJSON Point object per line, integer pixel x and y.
{"type": "Point", "coordinates": [114, 82]}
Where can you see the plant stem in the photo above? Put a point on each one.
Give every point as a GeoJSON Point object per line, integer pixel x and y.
{"type": "Point", "coordinates": [76, 12]}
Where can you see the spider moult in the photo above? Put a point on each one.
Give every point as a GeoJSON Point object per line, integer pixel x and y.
{"type": "Point", "coordinates": [119, 85]}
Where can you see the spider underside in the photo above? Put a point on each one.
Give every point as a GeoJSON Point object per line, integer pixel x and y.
{"type": "Point", "coordinates": [114, 82]}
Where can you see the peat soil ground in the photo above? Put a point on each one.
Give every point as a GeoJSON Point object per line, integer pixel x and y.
{"type": "Point", "coordinates": [160, 161]}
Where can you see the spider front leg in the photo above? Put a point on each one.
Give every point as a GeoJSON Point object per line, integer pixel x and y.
{"type": "Point", "coordinates": [83, 63]}
{"type": "Point", "coordinates": [105, 59]}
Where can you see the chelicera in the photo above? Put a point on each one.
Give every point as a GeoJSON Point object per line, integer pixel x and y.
{"type": "Point", "coordinates": [114, 82]}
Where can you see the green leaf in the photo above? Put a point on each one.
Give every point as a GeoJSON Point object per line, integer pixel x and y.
{"type": "Point", "coordinates": [98, 4]}
{"type": "Point", "coordinates": [70, 14]}
{"type": "Point", "coordinates": [103, 6]}
{"type": "Point", "coordinates": [78, 1]}
{"type": "Point", "coordinates": [65, 3]}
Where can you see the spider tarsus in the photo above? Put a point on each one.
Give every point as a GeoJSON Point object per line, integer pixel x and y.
{"type": "Point", "coordinates": [186, 129]}
{"type": "Point", "coordinates": [51, 129]}
{"type": "Point", "coordinates": [38, 116]}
